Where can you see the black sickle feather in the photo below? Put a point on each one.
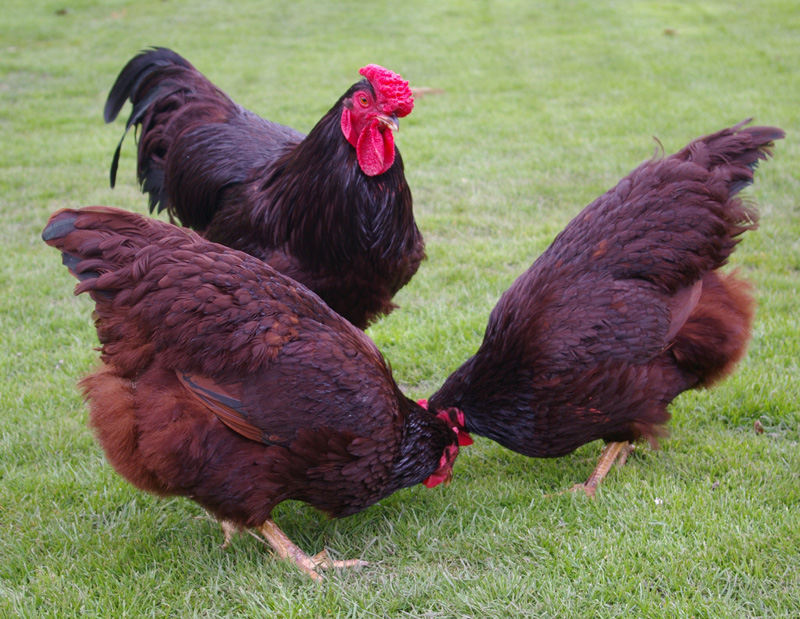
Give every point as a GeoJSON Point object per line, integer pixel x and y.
{"type": "Point", "coordinates": [136, 114]}
{"type": "Point", "coordinates": [139, 67]}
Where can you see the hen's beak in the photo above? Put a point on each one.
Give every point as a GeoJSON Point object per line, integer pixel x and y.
{"type": "Point", "coordinates": [448, 478]}
{"type": "Point", "coordinates": [390, 122]}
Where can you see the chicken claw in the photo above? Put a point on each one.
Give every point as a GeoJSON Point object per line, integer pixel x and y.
{"type": "Point", "coordinates": [286, 549]}
{"type": "Point", "coordinates": [321, 559]}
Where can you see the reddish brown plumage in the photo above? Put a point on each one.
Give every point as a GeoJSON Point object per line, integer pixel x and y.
{"type": "Point", "coordinates": [335, 219]}
{"type": "Point", "coordinates": [198, 339]}
{"type": "Point", "coordinates": [624, 311]}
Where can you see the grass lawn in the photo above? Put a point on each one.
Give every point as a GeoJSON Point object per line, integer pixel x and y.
{"type": "Point", "coordinates": [543, 105]}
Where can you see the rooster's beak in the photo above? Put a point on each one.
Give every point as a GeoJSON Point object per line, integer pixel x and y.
{"type": "Point", "coordinates": [390, 122]}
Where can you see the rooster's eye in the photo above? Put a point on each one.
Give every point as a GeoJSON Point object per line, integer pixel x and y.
{"type": "Point", "coordinates": [362, 99]}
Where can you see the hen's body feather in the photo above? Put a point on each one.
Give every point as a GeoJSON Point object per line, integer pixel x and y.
{"type": "Point", "coordinates": [229, 383]}
{"type": "Point", "coordinates": [301, 203]}
{"type": "Point", "coordinates": [624, 311]}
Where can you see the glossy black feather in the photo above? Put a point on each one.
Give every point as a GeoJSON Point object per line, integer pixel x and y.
{"type": "Point", "coordinates": [301, 203]}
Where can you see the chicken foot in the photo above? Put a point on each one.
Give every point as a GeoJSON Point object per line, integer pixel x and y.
{"type": "Point", "coordinates": [286, 549]}
{"type": "Point", "coordinates": [608, 456]}
{"type": "Point", "coordinates": [229, 529]}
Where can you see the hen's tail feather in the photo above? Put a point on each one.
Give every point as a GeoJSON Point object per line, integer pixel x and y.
{"type": "Point", "coordinates": [96, 241]}
{"type": "Point", "coordinates": [60, 225]}
{"type": "Point", "coordinates": [739, 149]}
{"type": "Point", "coordinates": [731, 156]}
{"type": "Point", "coordinates": [682, 217]}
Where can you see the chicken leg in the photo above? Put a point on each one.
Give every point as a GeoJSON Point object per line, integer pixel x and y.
{"type": "Point", "coordinates": [610, 453]}
{"type": "Point", "coordinates": [286, 549]}
{"type": "Point", "coordinates": [229, 529]}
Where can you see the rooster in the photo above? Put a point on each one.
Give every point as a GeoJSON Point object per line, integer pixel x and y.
{"type": "Point", "coordinates": [625, 310]}
{"type": "Point", "coordinates": [231, 384]}
{"type": "Point", "coordinates": [331, 209]}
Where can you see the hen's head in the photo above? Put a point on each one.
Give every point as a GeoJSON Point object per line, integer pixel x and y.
{"type": "Point", "coordinates": [369, 117]}
{"type": "Point", "coordinates": [455, 419]}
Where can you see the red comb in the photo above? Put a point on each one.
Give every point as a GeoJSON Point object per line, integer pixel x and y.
{"type": "Point", "coordinates": [464, 439]}
{"type": "Point", "coordinates": [392, 89]}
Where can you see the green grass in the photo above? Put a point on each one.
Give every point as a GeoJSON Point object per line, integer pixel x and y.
{"type": "Point", "coordinates": [546, 104]}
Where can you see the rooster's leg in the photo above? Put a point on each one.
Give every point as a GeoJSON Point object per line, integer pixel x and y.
{"type": "Point", "coordinates": [286, 549]}
{"type": "Point", "coordinates": [610, 453]}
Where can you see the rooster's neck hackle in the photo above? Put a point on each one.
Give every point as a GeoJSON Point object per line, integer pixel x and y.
{"type": "Point", "coordinates": [306, 193]}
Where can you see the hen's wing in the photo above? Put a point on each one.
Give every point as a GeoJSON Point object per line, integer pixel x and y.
{"type": "Point", "coordinates": [573, 324]}
{"type": "Point", "coordinates": [318, 380]}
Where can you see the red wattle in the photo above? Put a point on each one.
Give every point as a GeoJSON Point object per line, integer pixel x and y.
{"type": "Point", "coordinates": [437, 477]}
{"type": "Point", "coordinates": [375, 149]}
{"type": "Point", "coordinates": [347, 127]}
{"type": "Point", "coordinates": [433, 481]}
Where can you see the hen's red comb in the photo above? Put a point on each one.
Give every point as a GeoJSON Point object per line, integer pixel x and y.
{"type": "Point", "coordinates": [392, 89]}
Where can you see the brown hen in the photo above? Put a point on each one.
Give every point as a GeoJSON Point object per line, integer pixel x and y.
{"type": "Point", "coordinates": [624, 311]}
{"type": "Point", "coordinates": [231, 384]}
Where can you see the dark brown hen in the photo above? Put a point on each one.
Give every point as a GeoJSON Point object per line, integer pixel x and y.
{"type": "Point", "coordinates": [331, 209]}
{"type": "Point", "coordinates": [623, 312]}
{"type": "Point", "coordinates": [231, 384]}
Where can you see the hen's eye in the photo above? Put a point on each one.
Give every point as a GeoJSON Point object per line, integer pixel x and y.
{"type": "Point", "coordinates": [362, 99]}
